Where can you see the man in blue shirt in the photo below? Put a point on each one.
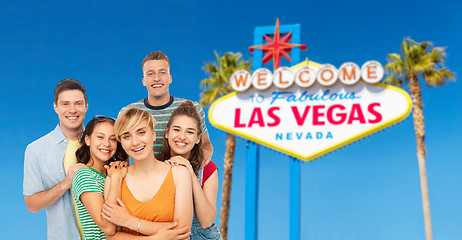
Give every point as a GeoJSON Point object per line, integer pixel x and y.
{"type": "Point", "coordinates": [46, 182]}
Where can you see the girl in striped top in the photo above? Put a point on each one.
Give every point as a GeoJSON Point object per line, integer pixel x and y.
{"type": "Point", "coordinates": [99, 147]}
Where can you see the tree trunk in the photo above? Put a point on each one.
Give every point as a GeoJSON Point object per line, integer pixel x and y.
{"type": "Point", "coordinates": [227, 174]}
{"type": "Point", "coordinates": [419, 127]}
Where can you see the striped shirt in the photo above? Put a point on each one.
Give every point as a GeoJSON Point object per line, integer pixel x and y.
{"type": "Point", "coordinates": [87, 179]}
{"type": "Point", "coordinates": [162, 114]}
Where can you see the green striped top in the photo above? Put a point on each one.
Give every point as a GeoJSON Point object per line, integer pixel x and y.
{"type": "Point", "coordinates": [162, 114]}
{"type": "Point", "coordinates": [87, 179]}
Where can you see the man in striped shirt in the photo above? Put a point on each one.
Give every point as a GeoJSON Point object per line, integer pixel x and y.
{"type": "Point", "coordinates": [156, 79]}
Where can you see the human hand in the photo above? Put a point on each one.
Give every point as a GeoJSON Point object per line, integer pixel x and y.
{"type": "Point", "coordinates": [73, 168]}
{"type": "Point", "coordinates": [117, 169]}
{"type": "Point", "coordinates": [169, 233]}
{"type": "Point", "coordinates": [207, 157]}
{"type": "Point", "coordinates": [71, 171]}
{"type": "Point", "coordinates": [117, 214]}
{"type": "Point", "coordinates": [180, 161]}
{"type": "Point", "coordinates": [206, 161]}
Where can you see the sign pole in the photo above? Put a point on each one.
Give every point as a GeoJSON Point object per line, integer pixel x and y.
{"type": "Point", "coordinates": [251, 191]}
{"type": "Point", "coordinates": [251, 231]}
{"type": "Point", "coordinates": [251, 171]}
{"type": "Point", "coordinates": [294, 210]}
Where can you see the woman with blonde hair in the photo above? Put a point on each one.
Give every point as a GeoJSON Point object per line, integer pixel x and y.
{"type": "Point", "coordinates": [154, 193]}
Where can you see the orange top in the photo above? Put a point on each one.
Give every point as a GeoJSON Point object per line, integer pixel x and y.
{"type": "Point", "coordinates": [159, 208]}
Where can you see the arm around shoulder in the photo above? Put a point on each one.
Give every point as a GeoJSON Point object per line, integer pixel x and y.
{"type": "Point", "coordinates": [207, 149]}
{"type": "Point", "coordinates": [207, 145]}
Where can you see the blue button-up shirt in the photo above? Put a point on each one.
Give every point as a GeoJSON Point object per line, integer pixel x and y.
{"type": "Point", "coordinates": [43, 169]}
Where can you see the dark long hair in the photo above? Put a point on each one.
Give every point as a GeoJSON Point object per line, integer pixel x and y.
{"type": "Point", "coordinates": [188, 109]}
{"type": "Point", "coordinates": [83, 153]}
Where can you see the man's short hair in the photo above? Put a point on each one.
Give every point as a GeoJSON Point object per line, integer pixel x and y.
{"type": "Point", "coordinates": [157, 55]}
{"type": "Point", "coordinates": [69, 84]}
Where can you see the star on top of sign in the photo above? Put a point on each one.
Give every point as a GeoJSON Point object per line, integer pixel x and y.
{"type": "Point", "coordinates": [277, 47]}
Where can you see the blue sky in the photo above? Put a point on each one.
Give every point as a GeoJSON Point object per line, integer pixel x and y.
{"type": "Point", "coordinates": [367, 190]}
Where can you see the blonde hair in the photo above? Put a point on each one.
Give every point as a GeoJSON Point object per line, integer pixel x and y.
{"type": "Point", "coordinates": [130, 118]}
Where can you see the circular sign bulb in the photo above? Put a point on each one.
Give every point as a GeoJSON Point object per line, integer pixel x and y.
{"type": "Point", "coordinates": [372, 72]}
{"type": "Point", "coordinates": [305, 76]}
{"type": "Point", "coordinates": [262, 79]}
{"type": "Point", "coordinates": [283, 77]}
{"type": "Point", "coordinates": [241, 80]}
{"type": "Point", "coordinates": [349, 73]}
{"type": "Point", "coordinates": [327, 75]}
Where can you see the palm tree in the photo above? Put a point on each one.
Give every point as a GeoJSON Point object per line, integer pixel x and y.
{"type": "Point", "coordinates": [427, 62]}
{"type": "Point", "coordinates": [215, 87]}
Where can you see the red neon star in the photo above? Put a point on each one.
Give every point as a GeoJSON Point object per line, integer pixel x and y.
{"type": "Point", "coordinates": [277, 47]}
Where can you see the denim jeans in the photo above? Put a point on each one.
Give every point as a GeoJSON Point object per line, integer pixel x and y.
{"type": "Point", "coordinates": [199, 233]}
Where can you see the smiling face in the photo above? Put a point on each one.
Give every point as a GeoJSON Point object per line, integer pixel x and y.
{"type": "Point", "coordinates": [102, 142]}
{"type": "Point", "coordinates": [157, 79]}
{"type": "Point", "coordinates": [182, 135]}
{"type": "Point", "coordinates": [71, 108]}
{"type": "Point", "coordinates": [138, 142]}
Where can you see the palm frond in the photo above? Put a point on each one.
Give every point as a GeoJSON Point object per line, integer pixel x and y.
{"type": "Point", "coordinates": [393, 81]}
{"type": "Point", "coordinates": [418, 59]}
{"type": "Point", "coordinates": [423, 64]}
{"type": "Point", "coordinates": [219, 73]}
{"type": "Point", "coordinates": [209, 96]}
{"type": "Point", "coordinates": [437, 55]}
{"type": "Point", "coordinates": [395, 64]}
{"type": "Point", "coordinates": [434, 78]}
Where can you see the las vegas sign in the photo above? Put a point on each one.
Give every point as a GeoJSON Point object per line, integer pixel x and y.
{"type": "Point", "coordinates": [310, 109]}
